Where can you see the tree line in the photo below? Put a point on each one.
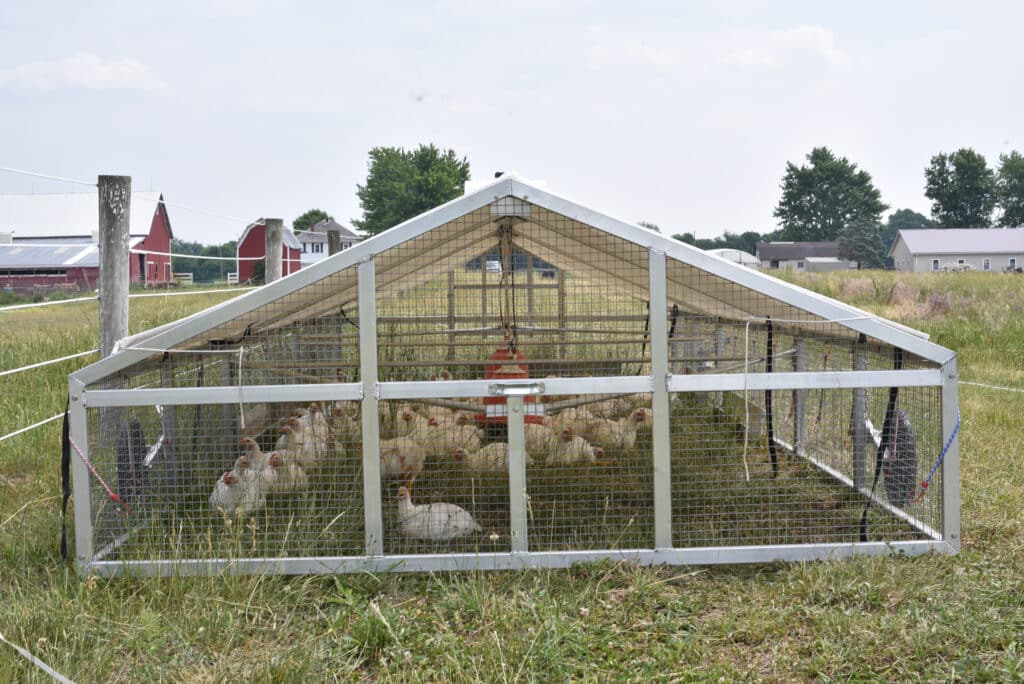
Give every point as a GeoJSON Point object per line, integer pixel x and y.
{"type": "Point", "coordinates": [827, 198]}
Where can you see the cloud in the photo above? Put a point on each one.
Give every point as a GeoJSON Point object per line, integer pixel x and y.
{"type": "Point", "coordinates": [778, 49]}
{"type": "Point", "coordinates": [82, 71]}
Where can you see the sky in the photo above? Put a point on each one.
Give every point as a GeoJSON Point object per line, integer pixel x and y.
{"type": "Point", "coordinates": [683, 114]}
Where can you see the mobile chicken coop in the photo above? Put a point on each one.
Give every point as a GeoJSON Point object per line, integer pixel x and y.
{"type": "Point", "coordinates": [607, 393]}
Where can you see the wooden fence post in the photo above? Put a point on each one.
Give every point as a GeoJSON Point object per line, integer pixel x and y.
{"type": "Point", "coordinates": [273, 241]}
{"type": "Point", "coordinates": [115, 200]}
{"type": "Point", "coordinates": [333, 242]}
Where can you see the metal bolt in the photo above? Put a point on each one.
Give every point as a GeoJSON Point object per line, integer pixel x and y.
{"type": "Point", "coordinates": [515, 409]}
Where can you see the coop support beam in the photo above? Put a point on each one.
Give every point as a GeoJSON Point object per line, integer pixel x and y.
{"type": "Point", "coordinates": [857, 418]}
{"type": "Point", "coordinates": [809, 380]}
{"type": "Point", "coordinates": [721, 340]}
{"type": "Point", "coordinates": [470, 562]}
{"type": "Point", "coordinates": [273, 239]}
{"type": "Point", "coordinates": [517, 475]}
{"type": "Point", "coordinates": [374, 519]}
{"type": "Point", "coordinates": [188, 396]}
{"type": "Point", "coordinates": [661, 428]}
{"type": "Point", "coordinates": [799, 396]}
{"type": "Point", "coordinates": [951, 463]}
{"type": "Point", "coordinates": [80, 475]}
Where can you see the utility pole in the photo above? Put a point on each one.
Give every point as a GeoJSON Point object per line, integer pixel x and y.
{"type": "Point", "coordinates": [274, 239]}
{"type": "Point", "coordinates": [115, 195]}
{"type": "Point", "coordinates": [333, 242]}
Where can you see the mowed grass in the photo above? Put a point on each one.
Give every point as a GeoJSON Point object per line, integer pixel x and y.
{"type": "Point", "coordinates": [929, 618]}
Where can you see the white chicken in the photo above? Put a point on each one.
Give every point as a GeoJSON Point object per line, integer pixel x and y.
{"type": "Point", "coordinates": [289, 475]}
{"type": "Point", "coordinates": [298, 438]}
{"type": "Point", "coordinates": [433, 522]}
{"type": "Point", "coordinates": [491, 458]}
{"type": "Point", "coordinates": [613, 435]}
{"type": "Point", "coordinates": [575, 419]}
{"type": "Point", "coordinates": [408, 422]}
{"type": "Point", "coordinates": [402, 457]}
{"type": "Point", "coordinates": [440, 439]}
{"type": "Point", "coordinates": [541, 441]}
{"type": "Point", "coordinates": [238, 493]}
{"type": "Point", "coordinates": [574, 449]}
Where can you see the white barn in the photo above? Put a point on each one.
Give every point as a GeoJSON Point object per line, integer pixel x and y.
{"type": "Point", "coordinates": [940, 249]}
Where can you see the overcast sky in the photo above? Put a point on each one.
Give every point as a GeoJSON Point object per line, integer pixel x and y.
{"type": "Point", "coordinates": [679, 113]}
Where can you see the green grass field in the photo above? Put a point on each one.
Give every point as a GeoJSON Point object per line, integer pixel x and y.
{"type": "Point", "coordinates": [929, 618]}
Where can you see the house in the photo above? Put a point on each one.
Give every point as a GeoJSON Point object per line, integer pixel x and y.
{"type": "Point", "coordinates": [802, 256]}
{"type": "Point", "coordinates": [314, 240]}
{"type": "Point", "coordinates": [940, 249]}
{"type": "Point", "coordinates": [51, 240]}
{"type": "Point", "coordinates": [251, 250]}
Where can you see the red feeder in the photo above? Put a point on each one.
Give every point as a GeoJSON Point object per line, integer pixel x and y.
{"type": "Point", "coordinates": [509, 365]}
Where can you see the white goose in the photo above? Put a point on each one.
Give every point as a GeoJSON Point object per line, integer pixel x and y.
{"type": "Point", "coordinates": [433, 522]}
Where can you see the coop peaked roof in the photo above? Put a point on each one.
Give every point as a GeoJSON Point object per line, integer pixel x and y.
{"type": "Point", "coordinates": [464, 228]}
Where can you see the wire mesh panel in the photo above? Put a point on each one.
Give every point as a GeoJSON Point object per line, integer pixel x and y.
{"type": "Point", "coordinates": [591, 483]}
{"type": "Point", "coordinates": [199, 482]}
{"type": "Point", "coordinates": [729, 488]}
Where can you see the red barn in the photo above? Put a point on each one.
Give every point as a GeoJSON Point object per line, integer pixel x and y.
{"type": "Point", "coordinates": [252, 246]}
{"type": "Point", "coordinates": [50, 240]}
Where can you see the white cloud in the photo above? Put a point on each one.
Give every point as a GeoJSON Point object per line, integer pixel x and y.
{"type": "Point", "coordinates": [83, 71]}
{"type": "Point", "coordinates": [778, 49]}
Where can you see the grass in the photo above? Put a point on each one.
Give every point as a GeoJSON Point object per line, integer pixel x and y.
{"type": "Point", "coordinates": [926, 618]}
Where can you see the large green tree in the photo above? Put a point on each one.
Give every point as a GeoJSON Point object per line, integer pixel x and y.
{"type": "Point", "coordinates": [402, 184]}
{"type": "Point", "coordinates": [823, 197]}
{"type": "Point", "coordinates": [962, 189]}
{"type": "Point", "coordinates": [204, 270]}
{"type": "Point", "coordinates": [1010, 189]}
{"type": "Point", "coordinates": [306, 221]}
{"type": "Point", "coordinates": [861, 241]}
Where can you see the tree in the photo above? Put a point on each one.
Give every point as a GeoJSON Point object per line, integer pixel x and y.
{"type": "Point", "coordinates": [306, 221]}
{"type": "Point", "coordinates": [649, 226]}
{"type": "Point", "coordinates": [204, 270]}
{"type": "Point", "coordinates": [402, 184]}
{"type": "Point", "coordinates": [861, 241]}
{"type": "Point", "coordinates": [962, 189]}
{"type": "Point", "coordinates": [903, 219]}
{"type": "Point", "coordinates": [1010, 189]}
{"type": "Point", "coordinates": [821, 199]}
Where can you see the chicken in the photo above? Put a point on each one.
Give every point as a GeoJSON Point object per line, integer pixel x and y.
{"type": "Point", "coordinates": [575, 419]}
{"type": "Point", "coordinates": [402, 457]}
{"type": "Point", "coordinates": [574, 449]}
{"type": "Point", "coordinates": [433, 522]}
{"type": "Point", "coordinates": [541, 441]}
{"type": "Point", "coordinates": [440, 439]}
{"type": "Point", "coordinates": [615, 435]}
{"type": "Point", "coordinates": [289, 475]}
{"type": "Point", "coordinates": [316, 421]}
{"type": "Point", "coordinates": [492, 458]}
{"type": "Point", "coordinates": [239, 493]}
{"type": "Point", "coordinates": [253, 453]}
{"type": "Point", "coordinates": [408, 422]}
{"type": "Point", "coordinates": [298, 438]}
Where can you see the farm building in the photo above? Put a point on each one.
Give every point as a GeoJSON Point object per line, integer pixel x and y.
{"type": "Point", "coordinates": [943, 249]}
{"type": "Point", "coordinates": [802, 256]}
{"type": "Point", "coordinates": [251, 250]}
{"type": "Point", "coordinates": [50, 240]}
{"type": "Point", "coordinates": [314, 240]}
{"type": "Point", "coordinates": [738, 255]}
{"type": "Point", "coordinates": [390, 409]}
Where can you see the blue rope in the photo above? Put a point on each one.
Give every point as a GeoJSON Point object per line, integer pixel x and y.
{"type": "Point", "coordinates": [942, 456]}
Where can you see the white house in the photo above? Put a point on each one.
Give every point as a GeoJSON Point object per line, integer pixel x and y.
{"type": "Point", "coordinates": [939, 249]}
{"type": "Point", "coordinates": [802, 256]}
{"type": "Point", "coordinates": [314, 240]}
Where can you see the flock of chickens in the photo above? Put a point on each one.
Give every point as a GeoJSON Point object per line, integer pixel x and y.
{"type": "Point", "coordinates": [582, 435]}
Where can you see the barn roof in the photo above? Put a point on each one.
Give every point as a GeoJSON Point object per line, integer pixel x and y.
{"type": "Point", "coordinates": [287, 236]}
{"type": "Point", "coordinates": [69, 214]}
{"type": "Point", "coordinates": [796, 250]}
{"type": "Point", "coordinates": [962, 241]}
{"type": "Point", "coordinates": [562, 232]}
{"type": "Point", "coordinates": [71, 253]}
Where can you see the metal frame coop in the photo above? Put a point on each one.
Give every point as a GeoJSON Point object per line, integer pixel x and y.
{"type": "Point", "coordinates": [514, 380]}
